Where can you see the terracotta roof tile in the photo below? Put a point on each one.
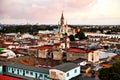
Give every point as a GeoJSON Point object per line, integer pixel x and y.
{"type": "Point", "coordinates": [43, 47]}
{"type": "Point", "coordinates": [3, 77]}
{"type": "Point", "coordinates": [76, 50]}
{"type": "Point", "coordinates": [57, 44]}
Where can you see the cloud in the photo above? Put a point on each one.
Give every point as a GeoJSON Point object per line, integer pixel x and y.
{"type": "Point", "coordinates": [49, 11]}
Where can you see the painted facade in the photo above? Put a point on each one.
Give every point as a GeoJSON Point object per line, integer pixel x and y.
{"type": "Point", "coordinates": [57, 55]}
{"type": "Point", "coordinates": [25, 73]}
{"type": "Point", "coordinates": [103, 35]}
{"type": "Point", "coordinates": [65, 71]}
{"type": "Point", "coordinates": [94, 56]}
{"type": "Point", "coordinates": [76, 53]}
{"type": "Point", "coordinates": [0, 69]}
{"type": "Point", "coordinates": [73, 54]}
{"type": "Point", "coordinates": [72, 73]}
{"type": "Point", "coordinates": [42, 53]}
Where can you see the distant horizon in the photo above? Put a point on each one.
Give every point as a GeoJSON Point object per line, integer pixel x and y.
{"type": "Point", "coordinates": [76, 12]}
{"type": "Point", "coordinates": [68, 24]}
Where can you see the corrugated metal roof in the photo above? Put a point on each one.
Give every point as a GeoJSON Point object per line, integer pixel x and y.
{"type": "Point", "coordinates": [66, 66]}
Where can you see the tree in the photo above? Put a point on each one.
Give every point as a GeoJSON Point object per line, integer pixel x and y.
{"type": "Point", "coordinates": [72, 38]}
{"type": "Point", "coordinates": [80, 35]}
{"type": "Point", "coordinates": [106, 47]}
{"type": "Point", "coordinates": [112, 73]}
{"type": "Point", "coordinates": [109, 32]}
{"type": "Point", "coordinates": [104, 74]}
{"type": "Point", "coordinates": [116, 67]}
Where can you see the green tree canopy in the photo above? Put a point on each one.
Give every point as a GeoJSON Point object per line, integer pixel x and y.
{"type": "Point", "coordinates": [72, 38]}
{"type": "Point", "coordinates": [80, 35]}
{"type": "Point", "coordinates": [112, 73]}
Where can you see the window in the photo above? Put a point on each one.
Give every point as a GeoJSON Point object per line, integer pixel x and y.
{"type": "Point", "coordinates": [27, 72]}
{"type": "Point", "coordinates": [36, 75]}
{"type": "Point", "coordinates": [23, 72]}
{"type": "Point", "coordinates": [31, 73]}
{"type": "Point", "coordinates": [20, 70]}
{"type": "Point", "coordinates": [8, 68]}
{"type": "Point", "coordinates": [14, 69]}
{"type": "Point", "coordinates": [67, 74]}
{"type": "Point", "coordinates": [45, 76]}
{"type": "Point", "coordinates": [41, 75]}
{"type": "Point", "coordinates": [75, 70]}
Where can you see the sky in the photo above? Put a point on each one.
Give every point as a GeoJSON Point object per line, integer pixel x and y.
{"type": "Point", "coordinates": [82, 12]}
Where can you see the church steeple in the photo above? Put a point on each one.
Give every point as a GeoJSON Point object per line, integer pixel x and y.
{"type": "Point", "coordinates": [63, 28]}
{"type": "Point", "coordinates": [62, 19]}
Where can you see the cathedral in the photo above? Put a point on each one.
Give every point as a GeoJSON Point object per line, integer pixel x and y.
{"type": "Point", "coordinates": [62, 27]}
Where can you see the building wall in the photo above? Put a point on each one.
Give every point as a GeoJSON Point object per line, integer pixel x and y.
{"type": "Point", "coordinates": [62, 29]}
{"type": "Point", "coordinates": [27, 73]}
{"type": "Point", "coordinates": [60, 75]}
{"type": "Point", "coordinates": [42, 54]}
{"type": "Point", "coordinates": [73, 56]}
{"type": "Point", "coordinates": [57, 55]}
{"type": "Point", "coordinates": [9, 69]}
{"type": "Point", "coordinates": [93, 56]}
{"type": "Point", "coordinates": [14, 70]}
{"type": "Point", "coordinates": [57, 74]}
{"type": "Point", "coordinates": [62, 45]}
{"type": "Point", "coordinates": [1, 69]}
{"type": "Point", "coordinates": [72, 73]}
{"type": "Point", "coordinates": [33, 52]}
{"type": "Point", "coordinates": [20, 72]}
{"type": "Point", "coordinates": [103, 35]}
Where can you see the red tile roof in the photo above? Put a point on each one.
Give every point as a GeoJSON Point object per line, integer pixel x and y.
{"type": "Point", "coordinates": [43, 47]}
{"type": "Point", "coordinates": [76, 50]}
{"type": "Point", "coordinates": [57, 44]}
{"type": "Point", "coordinates": [3, 77]}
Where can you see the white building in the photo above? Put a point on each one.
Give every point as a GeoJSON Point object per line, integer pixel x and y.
{"type": "Point", "coordinates": [64, 71]}
{"type": "Point", "coordinates": [8, 53]}
{"type": "Point", "coordinates": [102, 35]}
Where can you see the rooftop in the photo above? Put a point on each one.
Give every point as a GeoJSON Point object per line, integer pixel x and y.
{"type": "Point", "coordinates": [43, 47]}
{"type": "Point", "coordinates": [26, 67]}
{"type": "Point", "coordinates": [3, 77]}
{"type": "Point", "coordinates": [79, 60]}
{"type": "Point", "coordinates": [76, 50]}
{"type": "Point", "coordinates": [66, 66]}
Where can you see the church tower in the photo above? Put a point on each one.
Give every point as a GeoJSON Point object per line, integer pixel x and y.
{"type": "Point", "coordinates": [62, 20]}
{"type": "Point", "coordinates": [61, 26]}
